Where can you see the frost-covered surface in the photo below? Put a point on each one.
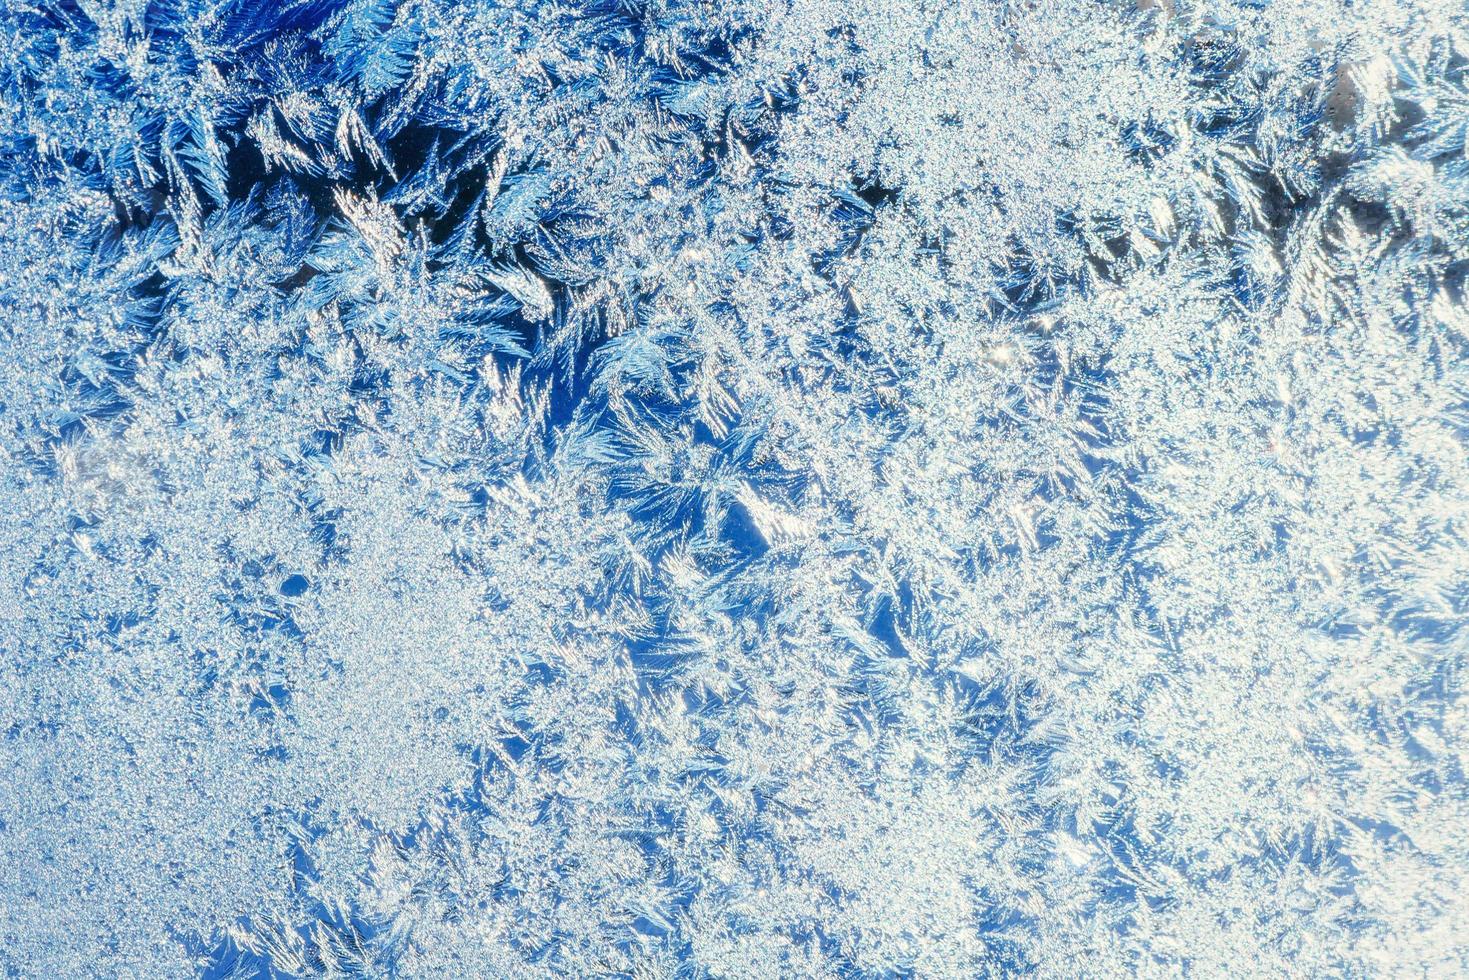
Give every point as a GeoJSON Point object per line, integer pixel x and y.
{"type": "Point", "coordinates": [733, 489]}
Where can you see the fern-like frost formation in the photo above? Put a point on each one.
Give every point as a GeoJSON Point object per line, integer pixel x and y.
{"type": "Point", "coordinates": [756, 488]}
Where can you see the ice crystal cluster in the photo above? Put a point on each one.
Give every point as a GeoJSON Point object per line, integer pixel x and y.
{"type": "Point", "coordinates": [734, 488]}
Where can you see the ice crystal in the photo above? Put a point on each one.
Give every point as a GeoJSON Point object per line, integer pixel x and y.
{"type": "Point", "coordinates": [664, 488]}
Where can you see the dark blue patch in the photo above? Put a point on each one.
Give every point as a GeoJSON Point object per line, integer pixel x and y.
{"type": "Point", "coordinates": [294, 586]}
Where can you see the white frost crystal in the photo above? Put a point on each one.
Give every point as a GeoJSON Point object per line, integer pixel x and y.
{"type": "Point", "coordinates": [665, 488]}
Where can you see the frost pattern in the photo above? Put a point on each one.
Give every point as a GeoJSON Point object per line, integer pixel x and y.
{"type": "Point", "coordinates": [662, 488]}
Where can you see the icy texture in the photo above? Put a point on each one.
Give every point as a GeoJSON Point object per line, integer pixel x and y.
{"type": "Point", "coordinates": [806, 488]}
